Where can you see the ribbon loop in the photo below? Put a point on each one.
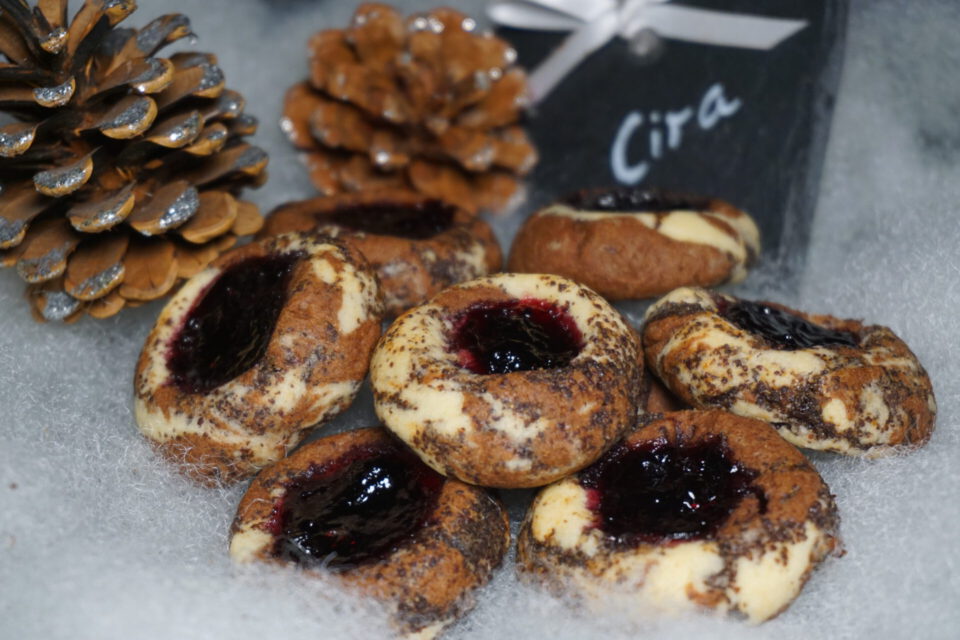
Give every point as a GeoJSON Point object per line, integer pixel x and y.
{"type": "Point", "coordinates": [548, 15]}
{"type": "Point", "coordinates": [596, 22]}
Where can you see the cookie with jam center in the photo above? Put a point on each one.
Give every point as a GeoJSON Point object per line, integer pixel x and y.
{"type": "Point", "coordinates": [270, 340]}
{"type": "Point", "coordinates": [628, 243]}
{"type": "Point", "coordinates": [417, 245]}
{"type": "Point", "coordinates": [511, 380]}
{"type": "Point", "coordinates": [361, 506]}
{"type": "Point", "coordinates": [697, 510]}
{"type": "Point", "coordinates": [825, 383]}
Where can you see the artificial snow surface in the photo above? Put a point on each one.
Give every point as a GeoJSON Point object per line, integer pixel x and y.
{"type": "Point", "coordinates": [99, 539]}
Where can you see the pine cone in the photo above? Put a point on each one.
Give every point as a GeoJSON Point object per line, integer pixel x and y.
{"type": "Point", "coordinates": [424, 104]}
{"type": "Point", "coordinates": [120, 173]}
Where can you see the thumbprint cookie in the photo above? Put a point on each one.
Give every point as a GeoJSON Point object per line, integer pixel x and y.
{"type": "Point", "coordinates": [511, 380]}
{"type": "Point", "coordinates": [697, 510]}
{"type": "Point", "coordinates": [362, 507]}
{"type": "Point", "coordinates": [268, 341]}
{"type": "Point", "coordinates": [634, 243]}
{"type": "Point", "coordinates": [418, 246]}
{"type": "Point", "coordinates": [825, 383]}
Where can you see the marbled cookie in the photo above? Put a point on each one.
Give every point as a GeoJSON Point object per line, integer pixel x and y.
{"type": "Point", "coordinates": [512, 380]}
{"type": "Point", "coordinates": [633, 243]}
{"type": "Point", "coordinates": [695, 510]}
{"type": "Point", "coordinates": [361, 506]}
{"type": "Point", "coordinates": [268, 341]}
{"type": "Point", "coordinates": [417, 245]}
{"type": "Point", "coordinates": [823, 382]}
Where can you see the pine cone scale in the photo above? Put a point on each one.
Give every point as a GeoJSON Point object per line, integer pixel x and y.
{"type": "Point", "coordinates": [171, 205]}
{"type": "Point", "coordinates": [185, 83]}
{"type": "Point", "coordinates": [13, 45]}
{"type": "Point", "coordinates": [150, 269]}
{"type": "Point", "coordinates": [298, 105]}
{"type": "Point", "coordinates": [48, 244]}
{"type": "Point", "coordinates": [215, 216]}
{"type": "Point", "coordinates": [90, 14]}
{"type": "Point", "coordinates": [155, 78]}
{"type": "Point", "coordinates": [128, 118]}
{"type": "Point", "coordinates": [162, 31]}
{"type": "Point", "coordinates": [100, 215]}
{"type": "Point", "coordinates": [54, 12]}
{"type": "Point", "coordinates": [248, 220]}
{"type": "Point", "coordinates": [242, 159]}
{"type": "Point", "coordinates": [228, 105]}
{"type": "Point", "coordinates": [17, 210]}
{"type": "Point", "coordinates": [9, 257]}
{"type": "Point", "coordinates": [177, 130]}
{"type": "Point", "coordinates": [64, 180]}
{"type": "Point", "coordinates": [377, 33]}
{"type": "Point", "coordinates": [324, 169]}
{"type": "Point", "coordinates": [96, 267]}
{"type": "Point", "coordinates": [328, 51]}
{"type": "Point", "coordinates": [210, 140]}
{"type": "Point", "coordinates": [150, 75]}
{"type": "Point", "coordinates": [50, 302]}
{"type": "Point", "coordinates": [108, 305]}
{"type": "Point", "coordinates": [55, 96]}
{"type": "Point", "coordinates": [339, 125]}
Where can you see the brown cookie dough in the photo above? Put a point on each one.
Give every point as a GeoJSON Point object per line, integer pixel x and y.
{"type": "Point", "coordinates": [632, 243]}
{"type": "Point", "coordinates": [226, 414]}
{"type": "Point", "coordinates": [660, 399]}
{"type": "Point", "coordinates": [864, 394]}
{"type": "Point", "coordinates": [519, 428]}
{"type": "Point", "coordinates": [417, 245]}
{"type": "Point", "coordinates": [695, 510]}
{"type": "Point", "coordinates": [427, 576]}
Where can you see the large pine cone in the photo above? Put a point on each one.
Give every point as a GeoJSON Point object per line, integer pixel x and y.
{"type": "Point", "coordinates": [120, 172]}
{"type": "Point", "coordinates": [424, 104]}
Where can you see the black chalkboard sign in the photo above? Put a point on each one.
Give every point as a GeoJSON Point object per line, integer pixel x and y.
{"type": "Point", "coordinates": [749, 126]}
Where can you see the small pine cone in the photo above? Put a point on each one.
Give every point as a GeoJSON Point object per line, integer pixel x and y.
{"type": "Point", "coordinates": [119, 170]}
{"type": "Point", "coordinates": [423, 104]}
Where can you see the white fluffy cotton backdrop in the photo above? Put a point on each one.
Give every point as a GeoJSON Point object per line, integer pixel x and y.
{"type": "Point", "coordinates": [99, 539]}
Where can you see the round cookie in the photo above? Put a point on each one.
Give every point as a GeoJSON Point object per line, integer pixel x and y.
{"type": "Point", "coordinates": [695, 510]}
{"type": "Point", "coordinates": [417, 541]}
{"type": "Point", "coordinates": [268, 341]}
{"type": "Point", "coordinates": [511, 380]}
{"type": "Point", "coordinates": [632, 243]}
{"type": "Point", "coordinates": [417, 245]}
{"type": "Point", "coordinates": [823, 382]}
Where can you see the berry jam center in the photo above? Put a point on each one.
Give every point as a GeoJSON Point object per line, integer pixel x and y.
{"type": "Point", "coordinates": [782, 329]}
{"type": "Point", "coordinates": [355, 510]}
{"type": "Point", "coordinates": [229, 328]}
{"type": "Point", "coordinates": [659, 491]}
{"type": "Point", "coordinates": [416, 221]}
{"type": "Point", "coordinates": [633, 199]}
{"type": "Point", "coordinates": [516, 335]}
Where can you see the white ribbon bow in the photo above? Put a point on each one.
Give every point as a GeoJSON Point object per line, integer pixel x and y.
{"type": "Point", "coordinates": [596, 22]}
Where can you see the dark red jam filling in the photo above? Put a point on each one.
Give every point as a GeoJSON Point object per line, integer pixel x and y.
{"type": "Point", "coordinates": [355, 510]}
{"type": "Point", "coordinates": [516, 335]}
{"type": "Point", "coordinates": [229, 328]}
{"type": "Point", "coordinates": [782, 329]}
{"type": "Point", "coordinates": [416, 221]}
{"type": "Point", "coordinates": [633, 199]}
{"type": "Point", "coordinates": [656, 491]}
